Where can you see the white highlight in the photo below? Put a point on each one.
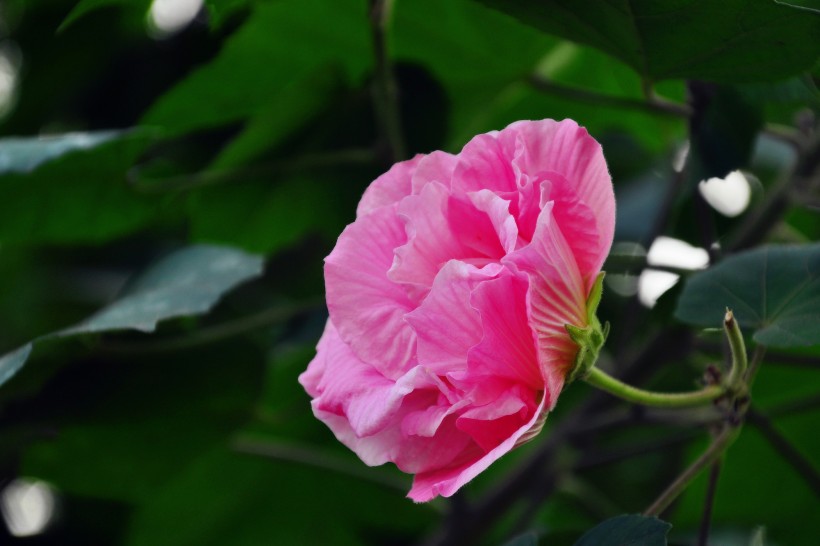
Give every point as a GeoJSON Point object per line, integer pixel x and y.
{"type": "Point", "coordinates": [729, 196]}
{"type": "Point", "coordinates": [27, 506]}
{"type": "Point", "coordinates": [8, 81]}
{"type": "Point", "coordinates": [170, 16]}
{"type": "Point", "coordinates": [668, 252]}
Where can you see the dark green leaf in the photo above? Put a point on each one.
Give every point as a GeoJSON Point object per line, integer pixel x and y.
{"type": "Point", "coordinates": [85, 7]}
{"type": "Point", "coordinates": [74, 193]}
{"type": "Point", "coordinates": [728, 41]}
{"type": "Point", "coordinates": [281, 43]}
{"type": "Point", "coordinates": [773, 290]}
{"type": "Point", "coordinates": [627, 530]}
{"type": "Point", "coordinates": [23, 155]}
{"type": "Point", "coordinates": [244, 499]}
{"type": "Point", "coordinates": [125, 430]}
{"type": "Point", "coordinates": [187, 282]}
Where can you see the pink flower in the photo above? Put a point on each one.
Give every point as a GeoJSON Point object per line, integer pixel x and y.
{"type": "Point", "coordinates": [449, 295]}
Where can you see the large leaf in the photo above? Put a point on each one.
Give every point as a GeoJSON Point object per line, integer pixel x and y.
{"type": "Point", "coordinates": [727, 41]}
{"type": "Point", "coordinates": [281, 43]}
{"type": "Point", "coordinates": [774, 290]}
{"type": "Point", "coordinates": [71, 188]}
{"type": "Point", "coordinates": [124, 430]}
{"type": "Point", "coordinates": [230, 498]}
{"type": "Point", "coordinates": [627, 530]}
{"type": "Point", "coordinates": [187, 282]}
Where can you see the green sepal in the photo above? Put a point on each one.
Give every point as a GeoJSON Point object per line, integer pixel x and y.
{"type": "Point", "coordinates": [590, 338]}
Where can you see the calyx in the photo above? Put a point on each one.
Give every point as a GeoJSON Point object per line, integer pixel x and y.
{"type": "Point", "coordinates": [589, 338]}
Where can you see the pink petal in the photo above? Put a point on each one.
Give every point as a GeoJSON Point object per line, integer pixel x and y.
{"type": "Point", "coordinates": [483, 164]}
{"type": "Point", "coordinates": [507, 349]}
{"type": "Point", "coordinates": [441, 227]}
{"type": "Point", "coordinates": [365, 306]}
{"type": "Point", "coordinates": [556, 297]}
{"type": "Point", "coordinates": [435, 167]}
{"type": "Point", "coordinates": [447, 481]}
{"type": "Point", "coordinates": [365, 411]}
{"type": "Point", "coordinates": [491, 424]}
{"type": "Point", "coordinates": [568, 150]}
{"type": "Point", "coordinates": [446, 324]}
{"type": "Point", "coordinates": [389, 188]}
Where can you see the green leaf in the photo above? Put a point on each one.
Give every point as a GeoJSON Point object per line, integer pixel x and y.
{"type": "Point", "coordinates": [73, 188]}
{"type": "Point", "coordinates": [242, 499]}
{"type": "Point", "coordinates": [627, 530]}
{"type": "Point", "coordinates": [281, 43]}
{"type": "Point", "coordinates": [774, 290]}
{"type": "Point", "coordinates": [187, 282]}
{"type": "Point", "coordinates": [265, 217]}
{"type": "Point", "coordinates": [84, 7]}
{"type": "Point", "coordinates": [23, 155]}
{"type": "Point", "coordinates": [126, 430]}
{"type": "Point", "coordinates": [728, 41]}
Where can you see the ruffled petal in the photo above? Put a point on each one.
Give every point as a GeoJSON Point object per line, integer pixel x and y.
{"type": "Point", "coordinates": [435, 167]}
{"type": "Point", "coordinates": [484, 164]}
{"type": "Point", "coordinates": [366, 307]}
{"type": "Point", "coordinates": [507, 349]}
{"type": "Point", "coordinates": [389, 188]}
{"type": "Point", "coordinates": [446, 324]}
{"type": "Point", "coordinates": [568, 150]}
{"type": "Point", "coordinates": [447, 481]}
{"type": "Point", "coordinates": [556, 296]}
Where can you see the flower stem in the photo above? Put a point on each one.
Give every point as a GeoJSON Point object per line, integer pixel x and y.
{"type": "Point", "coordinates": [740, 362]}
{"type": "Point", "coordinates": [606, 382]}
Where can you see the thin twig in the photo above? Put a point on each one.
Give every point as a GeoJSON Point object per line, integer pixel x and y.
{"type": "Point", "coordinates": [653, 104]}
{"type": "Point", "coordinates": [706, 518]}
{"type": "Point", "coordinates": [715, 450]}
{"type": "Point", "coordinates": [786, 449]}
{"type": "Point", "coordinates": [385, 91]}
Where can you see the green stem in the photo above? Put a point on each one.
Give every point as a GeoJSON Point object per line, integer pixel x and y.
{"type": "Point", "coordinates": [606, 382]}
{"type": "Point", "coordinates": [739, 360]}
{"type": "Point", "coordinates": [712, 454]}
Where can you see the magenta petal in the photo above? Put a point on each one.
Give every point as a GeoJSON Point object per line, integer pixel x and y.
{"type": "Point", "coordinates": [389, 188]}
{"type": "Point", "coordinates": [507, 348]}
{"type": "Point", "coordinates": [446, 481]}
{"type": "Point", "coordinates": [556, 297]}
{"type": "Point", "coordinates": [365, 306]}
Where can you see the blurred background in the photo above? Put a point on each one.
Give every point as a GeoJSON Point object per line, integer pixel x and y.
{"type": "Point", "coordinates": [132, 129]}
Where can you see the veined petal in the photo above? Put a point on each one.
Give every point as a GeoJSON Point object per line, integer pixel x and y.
{"type": "Point", "coordinates": [389, 188]}
{"type": "Point", "coordinates": [434, 167]}
{"type": "Point", "coordinates": [483, 164]}
{"type": "Point", "coordinates": [446, 481]}
{"type": "Point", "coordinates": [446, 324]}
{"type": "Point", "coordinates": [365, 306]}
{"type": "Point", "coordinates": [568, 150]}
{"type": "Point", "coordinates": [556, 296]}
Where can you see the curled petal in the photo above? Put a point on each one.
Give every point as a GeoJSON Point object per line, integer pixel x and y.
{"type": "Point", "coordinates": [365, 306]}
{"type": "Point", "coordinates": [389, 188]}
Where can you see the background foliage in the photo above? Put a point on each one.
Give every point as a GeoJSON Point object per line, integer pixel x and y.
{"type": "Point", "coordinates": [249, 135]}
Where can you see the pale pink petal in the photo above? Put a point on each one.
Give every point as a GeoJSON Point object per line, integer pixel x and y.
{"type": "Point", "coordinates": [446, 324]}
{"type": "Point", "coordinates": [507, 348]}
{"type": "Point", "coordinates": [483, 164]}
{"type": "Point", "coordinates": [389, 188]}
{"type": "Point", "coordinates": [497, 210]}
{"type": "Point", "coordinates": [556, 297]}
{"type": "Point", "coordinates": [568, 150]}
{"type": "Point", "coordinates": [434, 167]}
{"type": "Point", "coordinates": [448, 480]}
{"type": "Point", "coordinates": [365, 306]}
